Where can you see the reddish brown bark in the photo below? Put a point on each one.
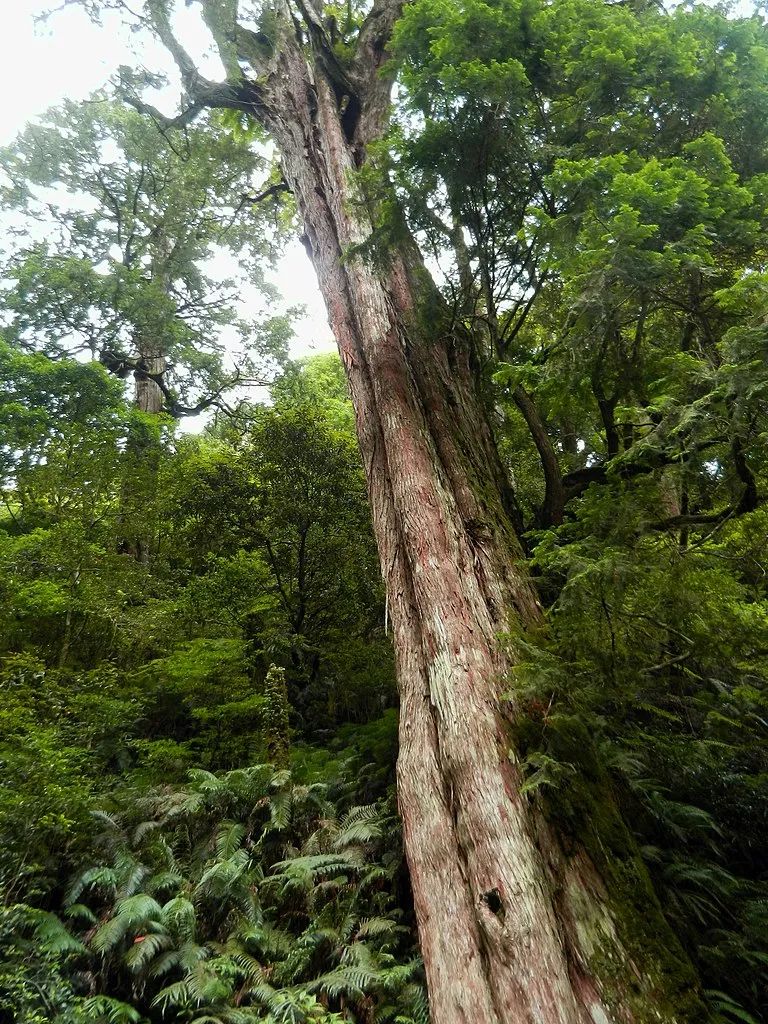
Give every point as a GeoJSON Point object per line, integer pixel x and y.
{"type": "Point", "coordinates": [142, 456]}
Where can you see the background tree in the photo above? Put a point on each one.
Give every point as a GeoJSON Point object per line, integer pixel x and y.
{"type": "Point", "coordinates": [118, 230]}
{"type": "Point", "coordinates": [658, 208]}
{"type": "Point", "coordinates": [277, 512]}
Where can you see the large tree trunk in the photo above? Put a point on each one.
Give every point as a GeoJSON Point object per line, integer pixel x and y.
{"type": "Point", "coordinates": [516, 924]}
{"type": "Point", "coordinates": [512, 929]}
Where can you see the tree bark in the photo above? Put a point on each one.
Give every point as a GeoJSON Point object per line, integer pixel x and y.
{"type": "Point", "coordinates": [515, 924]}
{"type": "Point", "coordinates": [142, 456]}
{"type": "Point", "coordinates": [148, 396]}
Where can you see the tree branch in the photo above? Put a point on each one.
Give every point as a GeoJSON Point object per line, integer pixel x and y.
{"type": "Point", "coordinates": [554, 493]}
{"type": "Point", "coordinates": [373, 87]}
{"type": "Point", "coordinates": [268, 193]}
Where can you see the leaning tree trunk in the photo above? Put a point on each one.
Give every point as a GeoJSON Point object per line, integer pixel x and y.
{"type": "Point", "coordinates": [517, 923]}
{"type": "Point", "coordinates": [512, 928]}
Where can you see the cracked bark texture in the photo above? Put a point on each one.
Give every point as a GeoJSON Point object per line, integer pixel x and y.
{"type": "Point", "coordinates": [513, 929]}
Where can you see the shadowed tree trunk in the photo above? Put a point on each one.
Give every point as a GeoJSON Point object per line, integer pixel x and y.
{"type": "Point", "coordinates": [516, 925]}
{"type": "Point", "coordinates": [553, 506]}
{"type": "Point", "coordinates": [148, 396]}
{"type": "Point", "coordinates": [142, 455]}
{"type": "Point", "coordinates": [276, 717]}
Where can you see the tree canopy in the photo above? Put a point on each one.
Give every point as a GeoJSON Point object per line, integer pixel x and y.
{"type": "Point", "coordinates": [135, 245]}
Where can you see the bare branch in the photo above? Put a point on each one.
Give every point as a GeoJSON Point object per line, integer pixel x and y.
{"type": "Point", "coordinates": [268, 193]}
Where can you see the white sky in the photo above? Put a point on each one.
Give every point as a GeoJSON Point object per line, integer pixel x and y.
{"type": "Point", "coordinates": [69, 56]}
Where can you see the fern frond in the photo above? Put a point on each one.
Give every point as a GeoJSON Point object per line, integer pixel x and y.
{"type": "Point", "coordinates": [104, 1010]}
{"type": "Point", "coordinates": [727, 1008]}
{"type": "Point", "coordinates": [109, 821]}
{"type": "Point", "coordinates": [280, 778]}
{"type": "Point", "coordinates": [360, 825]}
{"type": "Point", "coordinates": [164, 881]}
{"type": "Point", "coordinates": [173, 996]}
{"type": "Point", "coordinates": [252, 969]}
{"type": "Point", "coordinates": [205, 781]}
{"type": "Point", "coordinates": [179, 914]}
{"type": "Point", "coordinates": [352, 982]}
{"type": "Point", "coordinates": [221, 876]}
{"type": "Point", "coordinates": [374, 926]}
{"type": "Point", "coordinates": [145, 948]}
{"type": "Point", "coordinates": [280, 810]}
{"type": "Point", "coordinates": [139, 908]}
{"type": "Point", "coordinates": [109, 935]}
{"type": "Point", "coordinates": [100, 877]}
{"type": "Point", "coordinates": [135, 912]}
{"type": "Point", "coordinates": [271, 941]}
{"type": "Point", "coordinates": [143, 829]}
{"type": "Point", "coordinates": [306, 871]}
{"type": "Point", "coordinates": [228, 839]}
{"type": "Point", "coordinates": [133, 874]}
{"type": "Point", "coordinates": [51, 934]}
{"type": "Point", "coordinates": [79, 912]}
{"type": "Point", "coordinates": [164, 963]}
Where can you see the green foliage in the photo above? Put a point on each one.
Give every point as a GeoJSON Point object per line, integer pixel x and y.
{"type": "Point", "coordinates": [249, 891]}
{"type": "Point", "coordinates": [131, 216]}
{"type": "Point", "coordinates": [275, 525]}
{"type": "Point", "coordinates": [659, 654]}
{"type": "Point", "coordinates": [119, 673]}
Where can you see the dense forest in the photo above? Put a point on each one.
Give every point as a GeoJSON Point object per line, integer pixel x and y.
{"type": "Point", "coordinates": [425, 682]}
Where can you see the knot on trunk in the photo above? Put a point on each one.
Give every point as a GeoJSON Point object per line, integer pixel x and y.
{"type": "Point", "coordinates": [492, 900]}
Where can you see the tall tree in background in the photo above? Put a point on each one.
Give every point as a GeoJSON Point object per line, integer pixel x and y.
{"type": "Point", "coordinates": [139, 219]}
{"type": "Point", "coordinates": [117, 229]}
{"type": "Point", "coordinates": [516, 923]}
